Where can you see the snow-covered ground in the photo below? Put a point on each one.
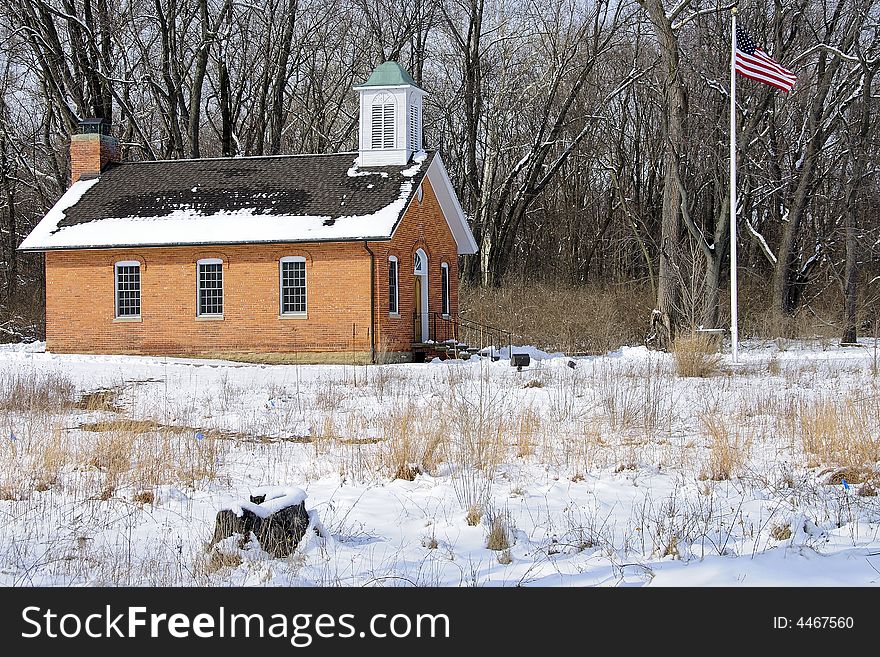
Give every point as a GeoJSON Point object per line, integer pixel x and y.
{"type": "Point", "coordinates": [610, 471]}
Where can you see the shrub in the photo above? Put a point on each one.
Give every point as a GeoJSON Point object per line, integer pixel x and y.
{"type": "Point", "coordinates": [695, 355]}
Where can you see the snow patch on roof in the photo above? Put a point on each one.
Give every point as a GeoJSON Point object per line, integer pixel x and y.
{"type": "Point", "coordinates": [260, 219]}
{"type": "Point", "coordinates": [354, 171]}
{"type": "Point", "coordinates": [190, 226]}
{"type": "Point", "coordinates": [49, 224]}
{"type": "Point", "coordinates": [417, 158]}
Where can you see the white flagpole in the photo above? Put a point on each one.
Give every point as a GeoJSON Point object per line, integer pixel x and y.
{"type": "Point", "coordinates": [734, 319]}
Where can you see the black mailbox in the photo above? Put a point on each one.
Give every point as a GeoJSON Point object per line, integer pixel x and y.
{"type": "Point", "coordinates": [519, 361]}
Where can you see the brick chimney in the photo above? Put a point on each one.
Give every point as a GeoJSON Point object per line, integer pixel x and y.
{"type": "Point", "coordinates": [91, 149]}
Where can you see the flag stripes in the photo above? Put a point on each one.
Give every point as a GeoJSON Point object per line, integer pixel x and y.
{"type": "Point", "coordinates": [753, 63]}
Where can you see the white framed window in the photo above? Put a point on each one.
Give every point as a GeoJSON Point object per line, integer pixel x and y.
{"type": "Point", "coordinates": [444, 288]}
{"type": "Point", "coordinates": [393, 285]}
{"type": "Point", "coordinates": [128, 289]}
{"type": "Point", "coordinates": [382, 121]}
{"type": "Point", "coordinates": [210, 287]}
{"type": "Point", "coordinates": [415, 130]}
{"type": "Point", "coordinates": [293, 285]}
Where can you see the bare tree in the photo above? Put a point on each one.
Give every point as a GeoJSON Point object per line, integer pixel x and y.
{"type": "Point", "coordinates": [583, 137]}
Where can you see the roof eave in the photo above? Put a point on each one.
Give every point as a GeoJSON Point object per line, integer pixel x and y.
{"type": "Point", "coordinates": [161, 245]}
{"type": "Point", "coordinates": [63, 204]}
{"type": "Point", "coordinates": [388, 86]}
{"type": "Point", "coordinates": [451, 207]}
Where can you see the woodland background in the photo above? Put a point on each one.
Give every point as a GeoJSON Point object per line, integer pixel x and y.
{"type": "Point", "coordinates": [587, 139]}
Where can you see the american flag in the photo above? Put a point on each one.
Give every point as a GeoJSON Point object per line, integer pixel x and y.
{"type": "Point", "coordinates": [755, 64]}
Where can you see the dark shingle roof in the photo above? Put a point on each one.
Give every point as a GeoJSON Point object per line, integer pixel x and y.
{"type": "Point", "coordinates": [300, 185]}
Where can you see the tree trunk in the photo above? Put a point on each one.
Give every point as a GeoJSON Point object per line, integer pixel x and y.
{"type": "Point", "coordinates": [195, 96]}
{"type": "Point", "coordinates": [855, 184]}
{"type": "Point", "coordinates": [788, 281]}
{"type": "Point", "coordinates": [278, 114]}
{"type": "Point", "coordinates": [712, 292]}
{"type": "Point", "coordinates": [850, 276]}
{"type": "Point", "coordinates": [8, 229]}
{"type": "Point", "coordinates": [226, 129]}
{"type": "Point", "coordinates": [665, 318]}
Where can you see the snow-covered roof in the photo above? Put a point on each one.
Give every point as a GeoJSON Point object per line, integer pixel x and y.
{"type": "Point", "coordinates": [245, 200]}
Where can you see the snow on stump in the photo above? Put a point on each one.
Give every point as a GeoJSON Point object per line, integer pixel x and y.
{"type": "Point", "coordinates": [276, 516]}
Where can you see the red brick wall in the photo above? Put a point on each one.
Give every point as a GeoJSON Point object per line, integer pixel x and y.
{"type": "Point", "coordinates": [80, 301]}
{"type": "Point", "coordinates": [91, 153]}
{"type": "Point", "coordinates": [423, 226]}
{"type": "Point", "coordinates": [80, 295]}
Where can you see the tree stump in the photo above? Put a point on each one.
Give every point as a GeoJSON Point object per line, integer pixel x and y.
{"type": "Point", "coordinates": [278, 527]}
{"type": "Point", "coordinates": [661, 334]}
{"type": "Point", "coordinates": [281, 532]}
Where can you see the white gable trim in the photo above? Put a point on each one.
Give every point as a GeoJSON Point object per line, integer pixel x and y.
{"type": "Point", "coordinates": [446, 197]}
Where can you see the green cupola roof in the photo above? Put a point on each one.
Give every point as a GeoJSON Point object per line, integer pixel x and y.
{"type": "Point", "coordinates": [389, 74]}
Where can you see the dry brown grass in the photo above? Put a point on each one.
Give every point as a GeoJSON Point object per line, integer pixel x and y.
{"type": "Point", "coordinates": [99, 400]}
{"type": "Point", "coordinates": [112, 454]}
{"type": "Point", "coordinates": [217, 560]}
{"type": "Point", "coordinates": [728, 449]}
{"type": "Point", "coordinates": [597, 318]}
{"type": "Point", "coordinates": [820, 316]}
{"type": "Point", "coordinates": [123, 425]}
{"type": "Point", "coordinates": [868, 489]}
{"type": "Point", "coordinates": [853, 474]}
{"type": "Point", "coordinates": [413, 444]}
{"type": "Point", "coordinates": [780, 532]}
{"type": "Point", "coordinates": [505, 558]}
{"type": "Point", "coordinates": [52, 458]}
{"type": "Point", "coordinates": [499, 533]}
{"type": "Point", "coordinates": [32, 391]}
{"type": "Point", "coordinates": [670, 549]}
{"type": "Point", "coordinates": [588, 319]}
{"type": "Point", "coordinates": [837, 432]}
{"type": "Point", "coordinates": [131, 454]}
{"type": "Point", "coordinates": [144, 497]}
{"type": "Point", "coordinates": [528, 427]}
{"type": "Point", "coordinates": [696, 355]}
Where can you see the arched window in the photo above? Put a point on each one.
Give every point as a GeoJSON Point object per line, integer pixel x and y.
{"type": "Point", "coordinates": [393, 286]}
{"type": "Point", "coordinates": [444, 288]}
{"type": "Point", "coordinates": [382, 121]}
{"type": "Point", "coordinates": [419, 263]}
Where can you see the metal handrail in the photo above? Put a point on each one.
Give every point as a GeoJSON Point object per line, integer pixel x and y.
{"type": "Point", "coordinates": [456, 330]}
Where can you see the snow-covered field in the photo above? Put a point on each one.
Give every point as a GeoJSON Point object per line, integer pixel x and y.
{"type": "Point", "coordinates": [610, 470]}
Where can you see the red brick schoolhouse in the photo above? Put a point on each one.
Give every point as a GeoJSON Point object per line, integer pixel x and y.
{"type": "Point", "coordinates": [303, 258]}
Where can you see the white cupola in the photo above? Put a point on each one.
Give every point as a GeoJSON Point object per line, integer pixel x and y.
{"type": "Point", "coordinates": [390, 117]}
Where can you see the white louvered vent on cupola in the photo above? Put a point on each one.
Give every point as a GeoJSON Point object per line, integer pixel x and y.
{"type": "Point", "coordinates": [415, 127]}
{"type": "Point", "coordinates": [382, 122]}
{"type": "Point", "coordinates": [390, 130]}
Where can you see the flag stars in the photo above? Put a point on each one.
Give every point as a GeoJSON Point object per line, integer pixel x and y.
{"type": "Point", "coordinates": [744, 42]}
